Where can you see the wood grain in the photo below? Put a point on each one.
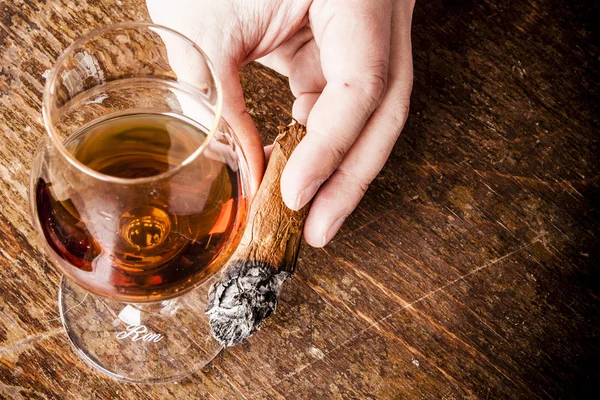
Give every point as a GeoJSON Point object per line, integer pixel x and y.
{"type": "Point", "coordinates": [470, 269]}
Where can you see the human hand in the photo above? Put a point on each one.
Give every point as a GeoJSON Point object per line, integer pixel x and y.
{"type": "Point", "coordinates": [350, 68]}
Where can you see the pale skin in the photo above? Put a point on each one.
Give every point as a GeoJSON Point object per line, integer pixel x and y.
{"type": "Point", "coordinates": [349, 64]}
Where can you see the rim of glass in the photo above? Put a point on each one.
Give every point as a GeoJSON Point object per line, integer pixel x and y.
{"type": "Point", "coordinates": [49, 91]}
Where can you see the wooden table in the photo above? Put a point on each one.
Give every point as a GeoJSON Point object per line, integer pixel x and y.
{"type": "Point", "coordinates": [470, 269]}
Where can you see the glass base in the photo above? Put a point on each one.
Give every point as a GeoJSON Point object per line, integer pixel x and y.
{"type": "Point", "coordinates": [143, 343]}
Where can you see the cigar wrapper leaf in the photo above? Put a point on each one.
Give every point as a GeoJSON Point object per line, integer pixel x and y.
{"type": "Point", "coordinates": [250, 283]}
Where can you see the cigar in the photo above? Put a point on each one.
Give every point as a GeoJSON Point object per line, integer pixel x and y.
{"type": "Point", "coordinates": [250, 283]}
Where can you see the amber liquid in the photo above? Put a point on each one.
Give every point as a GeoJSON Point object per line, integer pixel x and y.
{"type": "Point", "coordinates": [149, 240]}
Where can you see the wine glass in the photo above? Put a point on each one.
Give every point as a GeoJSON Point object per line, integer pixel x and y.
{"type": "Point", "coordinates": [139, 193]}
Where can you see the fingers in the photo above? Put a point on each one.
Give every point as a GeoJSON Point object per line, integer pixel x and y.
{"type": "Point", "coordinates": [299, 60]}
{"type": "Point", "coordinates": [342, 192]}
{"type": "Point", "coordinates": [354, 42]}
{"type": "Point", "coordinates": [281, 59]}
{"type": "Point", "coordinates": [305, 72]}
{"type": "Point", "coordinates": [303, 105]}
{"type": "Point", "coordinates": [344, 189]}
{"type": "Point", "coordinates": [234, 112]}
{"type": "Point", "coordinates": [306, 80]}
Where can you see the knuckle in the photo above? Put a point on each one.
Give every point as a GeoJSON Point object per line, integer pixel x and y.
{"type": "Point", "coordinates": [356, 183]}
{"type": "Point", "coordinates": [399, 114]}
{"type": "Point", "coordinates": [396, 117]}
{"type": "Point", "coordinates": [336, 152]}
{"type": "Point", "coordinates": [374, 84]}
{"type": "Point", "coordinates": [396, 108]}
{"type": "Point", "coordinates": [402, 114]}
{"type": "Point", "coordinates": [336, 146]}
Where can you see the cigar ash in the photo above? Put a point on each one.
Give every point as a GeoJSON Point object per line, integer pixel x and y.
{"type": "Point", "coordinates": [243, 300]}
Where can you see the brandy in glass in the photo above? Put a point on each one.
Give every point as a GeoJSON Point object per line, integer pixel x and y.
{"type": "Point", "coordinates": [139, 194]}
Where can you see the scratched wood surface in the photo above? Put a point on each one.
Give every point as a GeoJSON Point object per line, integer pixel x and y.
{"type": "Point", "coordinates": [470, 269]}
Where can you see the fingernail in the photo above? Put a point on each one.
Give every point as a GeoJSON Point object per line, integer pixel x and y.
{"type": "Point", "coordinates": [333, 229]}
{"type": "Point", "coordinates": [306, 194]}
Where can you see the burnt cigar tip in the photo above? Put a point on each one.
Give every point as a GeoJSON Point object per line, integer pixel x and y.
{"type": "Point", "coordinates": [242, 300]}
